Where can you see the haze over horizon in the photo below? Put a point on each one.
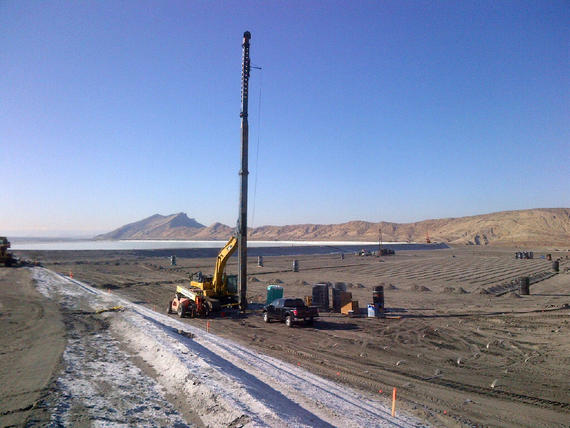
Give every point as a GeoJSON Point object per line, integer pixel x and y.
{"type": "Point", "coordinates": [112, 112]}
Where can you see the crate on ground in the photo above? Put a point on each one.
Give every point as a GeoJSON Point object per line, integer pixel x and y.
{"type": "Point", "coordinates": [340, 299]}
{"type": "Point", "coordinates": [350, 306]}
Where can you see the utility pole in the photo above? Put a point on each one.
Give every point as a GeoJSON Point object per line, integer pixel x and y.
{"type": "Point", "coordinates": [242, 221]}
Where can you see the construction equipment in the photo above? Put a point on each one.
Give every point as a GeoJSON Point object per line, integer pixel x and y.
{"type": "Point", "coordinates": [6, 257]}
{"type": "Point", "coordinates": [207, 294]}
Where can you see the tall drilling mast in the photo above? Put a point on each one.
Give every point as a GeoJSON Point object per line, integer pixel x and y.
{"type": "Point", "coordinates": [242, 221]}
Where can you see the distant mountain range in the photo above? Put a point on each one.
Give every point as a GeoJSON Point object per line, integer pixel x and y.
{"type": "Point", "coordinates": [541, 226]}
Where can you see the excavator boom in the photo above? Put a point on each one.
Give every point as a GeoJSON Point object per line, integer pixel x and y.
{"type": "Point", "coordinates": [223, 256]}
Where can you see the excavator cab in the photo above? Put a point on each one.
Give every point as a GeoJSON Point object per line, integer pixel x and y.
{"type": "Point", "coordinates": [232, 284]}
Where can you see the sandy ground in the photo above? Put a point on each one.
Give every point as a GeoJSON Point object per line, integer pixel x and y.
{"type": "Point", "coordinates": [458, 355]}
{"type": "Point", "coordinates": [32, 337]}
{"type": "Point", "coordinates": [126, 365]}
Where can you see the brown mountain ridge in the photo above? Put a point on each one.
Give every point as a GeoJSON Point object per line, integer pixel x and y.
{"type": "Point", "coordinates": [540, 226]}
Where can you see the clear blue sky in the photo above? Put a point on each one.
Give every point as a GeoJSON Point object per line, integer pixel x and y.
{"type": "Point", "coordinates": [111, 111]}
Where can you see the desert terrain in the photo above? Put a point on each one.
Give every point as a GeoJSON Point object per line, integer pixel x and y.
{"type": "Point", "coordinates": [461, 349]}
{"type": "Point", "coordinates": [531, 227]}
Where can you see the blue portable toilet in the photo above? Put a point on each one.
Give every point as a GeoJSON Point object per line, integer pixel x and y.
{"type": "Point", "coordinates": [274, 292]}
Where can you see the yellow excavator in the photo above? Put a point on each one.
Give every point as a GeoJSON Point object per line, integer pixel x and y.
{"type": "Point", "coordinates": [208, 293]}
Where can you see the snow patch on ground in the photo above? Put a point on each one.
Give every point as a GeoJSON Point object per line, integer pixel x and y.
{"type": "Point", "coordinates": [99, 382]}
{"type": "Point", "coordinates": [109, 388]}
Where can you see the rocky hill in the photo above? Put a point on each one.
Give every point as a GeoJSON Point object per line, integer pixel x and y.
{"type": "Point", "coordinates": [174, 226]}
{"type": "Point", "coordinates": [542, 226]}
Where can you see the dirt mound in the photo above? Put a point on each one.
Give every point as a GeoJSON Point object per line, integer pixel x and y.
{"type": "Point", "coordinates": [449, 290]}
{"type": "Point", "coordinates": [421, 288]}
{"type": "Point", "coordinates": [299, 282]}
{"type": "Point", "coordinates": [253, 279]}
{"type": "Point", "coordinates": [481, 291]}
{"type": "Point", "coordinates": [514, 295]}
{"type": "Point", "coordinates": [276, 281]}
{"type": "Point", "coordinates": [392, 287]}
{"type": "Point", "coordinates": [462, 290]}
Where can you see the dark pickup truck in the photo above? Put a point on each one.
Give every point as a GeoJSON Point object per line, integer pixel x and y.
{"type": "Point", "coordinates": [289, 310]}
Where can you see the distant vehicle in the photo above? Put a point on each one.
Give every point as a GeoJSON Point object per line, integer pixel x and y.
{"type": "Point", "coordinates": [6, 257]}
{"type": "Point", "coordinates": [386, 252]}
{"type": "Point", "coordinates": [290, 311]}
{"type": "Point", "coordinates": [364, 252]}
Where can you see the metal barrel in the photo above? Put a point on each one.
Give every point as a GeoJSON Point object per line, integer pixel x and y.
{"type": "Point", "coordinates": [524, 285]}
{"type": "Point", "coordinates": [556, 266]}
{"type": "Point", "coordinates": [295, 265]}
{"type": "Point", "coordinates": [340, 286]}
{"type": "Point", "coordinates": [260, 261]}
{"type": "Point", "coordinates": [336, 302]}
{"type": "Point", "coordinates": [378, 297]}
{"type": "Point", "coordinates": [321, 296]}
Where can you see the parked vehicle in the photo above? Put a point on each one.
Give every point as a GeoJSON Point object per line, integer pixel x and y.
{"type": "Point", "coordinates": [5, 257]}
{"type": "Point", "coordinates": [290, 311]}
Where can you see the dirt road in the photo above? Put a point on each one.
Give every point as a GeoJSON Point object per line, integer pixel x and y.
{"type": "Point", "coordinates": [458, 355]}
{"type": "Point", "coordinates": [32, 335]}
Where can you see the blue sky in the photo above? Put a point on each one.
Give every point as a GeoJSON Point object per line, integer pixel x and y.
{"type": "Point", "coordinates": [111, 111]}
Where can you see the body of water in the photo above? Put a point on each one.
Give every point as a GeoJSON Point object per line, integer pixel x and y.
{"type": "Point", "coordinates": [211, 248]}
{"type": "Point", "coordinates": [82, 245]}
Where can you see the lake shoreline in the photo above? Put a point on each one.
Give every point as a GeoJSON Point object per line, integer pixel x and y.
{"type": "Point", "coordinates": [253, 251]}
